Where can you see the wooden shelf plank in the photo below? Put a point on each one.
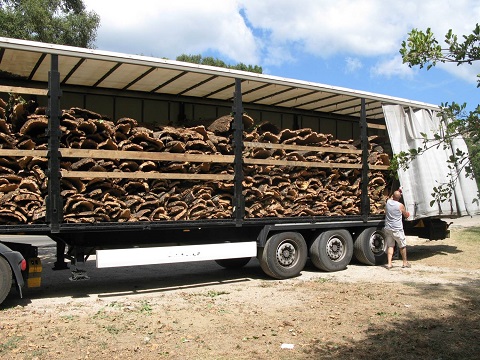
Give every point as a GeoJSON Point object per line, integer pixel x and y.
{"type": "Point", "coordinates": [307, 164]}
{"type": "Point", "coordinates": [145, 155]}
{"type": "Point", "coordinates": [20, 152]}
{"type": "Point", "coordinates": [249, 144]}
{"type": "Point", "coordinates": [138, 155]}
{"type": "Point", "coordinates": [23, 90]}
{"type": "Point", "coordinates": [312, 164]}
{"type": "Point", "coordinates": [377, 126]}
{"type": "Point", "coordinates": [144, 175]}
{"type": "Point", "coordinates": [379, 167]}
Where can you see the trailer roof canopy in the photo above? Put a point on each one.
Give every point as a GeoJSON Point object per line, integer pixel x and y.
{"type": "Point", "coordinates": [27, 60]}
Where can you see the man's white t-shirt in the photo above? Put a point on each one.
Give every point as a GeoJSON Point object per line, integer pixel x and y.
{"type": "Point", "coordinates": [393, 216]}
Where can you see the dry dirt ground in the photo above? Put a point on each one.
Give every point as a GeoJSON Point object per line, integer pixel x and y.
{"type": "Point", "coordinates": [201, 311]}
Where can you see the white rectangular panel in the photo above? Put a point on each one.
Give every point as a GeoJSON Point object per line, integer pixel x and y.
{"type": "Point", "coordinates": [174, 254]}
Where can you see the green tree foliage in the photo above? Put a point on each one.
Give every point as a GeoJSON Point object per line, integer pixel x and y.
{"type": "Point", "coordinates": [65, 22]}
{"type": "Point", "coordinates": [422, 49]}
{"type": "Point", "coordinates": [198, 59]}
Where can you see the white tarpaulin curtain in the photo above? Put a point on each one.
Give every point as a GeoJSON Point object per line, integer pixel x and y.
{"type": "Point", "coordinates": [431, 168]}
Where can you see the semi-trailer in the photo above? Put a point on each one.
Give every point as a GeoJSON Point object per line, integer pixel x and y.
{"type": "Point", "coordinates": [143, 192]}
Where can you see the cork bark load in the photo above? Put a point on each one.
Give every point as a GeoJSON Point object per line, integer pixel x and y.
{"type": "Point", "coordinates": [123, 171]}
{"type": "Point", "coordinates": [331, 189]}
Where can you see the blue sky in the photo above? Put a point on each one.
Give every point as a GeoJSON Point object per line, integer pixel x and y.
{"type": "Point", "coordinates": [347, 43]}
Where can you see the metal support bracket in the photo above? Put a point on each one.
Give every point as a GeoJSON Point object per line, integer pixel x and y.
{"type": "Point", "coordinates": [365, 199]}
{"type": "Point", "coordinates": [238, 199]}
{"type": "Point", "coordinates": [54, 201]}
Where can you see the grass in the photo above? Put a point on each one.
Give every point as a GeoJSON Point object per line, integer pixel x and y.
{"type": "Point", "coordinates": [10, 344]}
{"type": "Point", "coordinates": [145, 307]}
{"type": "Point", "coordinates": [38, 354]}
{"type": "Point", "coordinates": [386, 314]}
{"type": "Point", "coordinates": [459, 251]}
{"type": "Point", "coordinates": [468, 241]}
{"type": "Point", "coordinates": [69, 317]}
{"type": "Point", "coordinates": [470, 235]}
{"type": "Point", "coordinates": [112, 329]}
{"type": "Point", "coordinates": [116, 305]}
{"type": "Point", "coordinates": [100, 314]}
{"type": "Point", "coordinates": [213, 293]}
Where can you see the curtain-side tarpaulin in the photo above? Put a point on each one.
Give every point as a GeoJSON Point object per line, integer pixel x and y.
{"type": "Point", "coordinates": [431, 168]}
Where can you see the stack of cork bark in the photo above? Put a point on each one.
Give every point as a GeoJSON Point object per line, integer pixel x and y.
{"type": "Point", "coordinates": [323, 177]}
{"type": "Point", "coordinates": [122, 171]}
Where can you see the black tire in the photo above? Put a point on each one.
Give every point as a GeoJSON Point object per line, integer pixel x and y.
{"type": "Point", "coordinates": [233, 263]}
{"type": "Point", "coordinates": [5, 279]}
{"type": "Point", "coordinates": [332, 250]}
{"type": "Point", "coordinates": [284, 255]}
{"type": "Point", "coordinates": [370, 247]}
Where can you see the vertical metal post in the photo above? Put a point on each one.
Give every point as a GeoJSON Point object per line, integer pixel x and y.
{"type": "Point", "coordinates": [54, 201]}
{"type": "Point", "coordinates": [365, 200]}
{"type": "Point", "coordinates": [238, 199]}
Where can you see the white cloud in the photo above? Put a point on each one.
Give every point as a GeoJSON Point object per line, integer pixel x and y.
{"type": "Point", "coordinates": [392, 67]}
{"type": "Point", "coordinates": [466, 72]}
{"type": "Point", "coordinates": [171, 28]}
{"type": "Point", "coordinates": [276, 32]}
{"type": "Point", "coordinates": [352, 65]}
{"type": "Point", "coordinates": [322, 28]}
{"type": "Point", "coordinates": [365, 28]}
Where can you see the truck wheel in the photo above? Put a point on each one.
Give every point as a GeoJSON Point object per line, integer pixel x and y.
{"type": "Point", "coordinates": [233, 263]}
{"type": "Point", "coordinates": [284, 255]}
{"type": "Point", "coordinates": [370, 247]}
{"type": "Point", "coordinates": [332, 250]}
{"type": "Point", "coordinates": [5, 279]}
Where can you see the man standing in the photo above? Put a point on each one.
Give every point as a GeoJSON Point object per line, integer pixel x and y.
{"type": "Point", "coordinates": [394, 228]}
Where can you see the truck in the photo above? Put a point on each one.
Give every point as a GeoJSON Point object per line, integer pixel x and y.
{"type": "Point", "coordinates": [202, 163]}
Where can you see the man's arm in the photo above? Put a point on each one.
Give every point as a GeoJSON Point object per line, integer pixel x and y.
{"type": "Point", "coordinates": [404, 211]}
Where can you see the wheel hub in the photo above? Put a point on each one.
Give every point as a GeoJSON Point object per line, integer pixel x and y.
{"type": "Point", "coordinates": [376, 243]}
{"type": "Point", "coordinates": [335, 248]}
{"type": "Point", "coordinates": [286, 254]}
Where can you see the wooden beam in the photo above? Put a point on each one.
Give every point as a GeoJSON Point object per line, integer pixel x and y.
{"type": "Point", "coordinates": [249, 144]}
{"type": "Point", "coordinates": [307, 164]}
{"type": "Point", "coordinates": [145, 155]}
{"type": "Point", "coordinates": [143, 175]}
{"type": "Point", "coordinates": [377, 126]}
{"type": "Point", "coordinates": [379, 167]}
{"type": "Point", "coordinates": [138, 155]}
{"type": "Point", "coordinates": [155, 156]}
{"type": "Point", "coordinates": [19, 152]}
{"type": "Point", "coordinates": [23, 90]}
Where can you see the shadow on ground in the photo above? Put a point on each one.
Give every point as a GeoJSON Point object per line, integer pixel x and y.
{"type": "Point", "coordinates": [419, 252]}
{"type": "Point", "coordinates": [443, 337]}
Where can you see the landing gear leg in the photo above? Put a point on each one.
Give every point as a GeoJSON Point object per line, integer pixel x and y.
{"type": "Point", "coordinates": [78, 266]}
{"type": "Point", "coordinates": [60, 264]}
